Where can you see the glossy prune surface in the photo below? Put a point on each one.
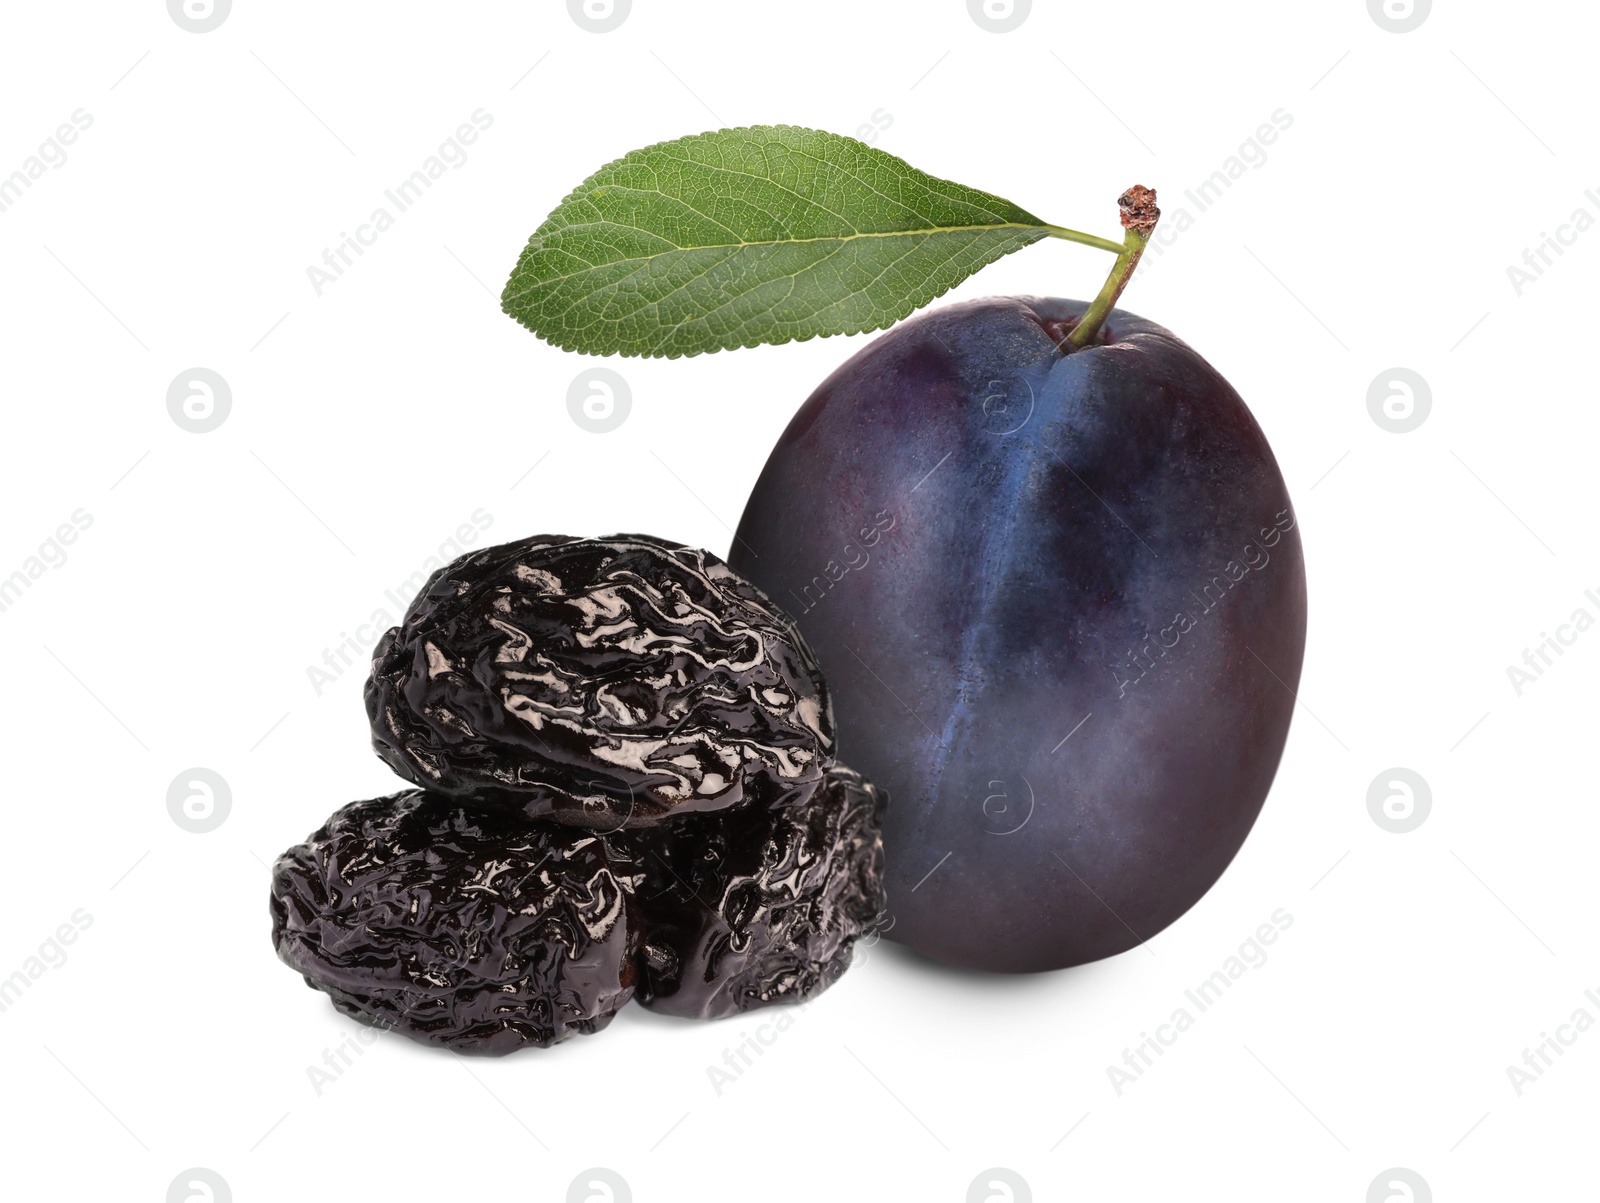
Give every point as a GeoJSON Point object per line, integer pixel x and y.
{"type": "Point", "coordinates": [460, 925]}
{"type": "Point", "coordinates": [601, 683]}
{"type": "Point", "coordinates": [751, 908]}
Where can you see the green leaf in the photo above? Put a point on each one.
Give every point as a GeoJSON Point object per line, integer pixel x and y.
{"type": "Point", "coordinates": [758, 235]}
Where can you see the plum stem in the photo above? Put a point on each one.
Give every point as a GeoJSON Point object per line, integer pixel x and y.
{"type": "Point", "coordinates": [1139, 217]}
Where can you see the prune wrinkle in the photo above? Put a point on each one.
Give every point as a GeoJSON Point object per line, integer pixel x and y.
{"type": "Point", "coordinates": [600, 683]}
{"type": "Point", "coordinates": [460, 925]}
{"type": "Point", "coordinates": [753, 908]}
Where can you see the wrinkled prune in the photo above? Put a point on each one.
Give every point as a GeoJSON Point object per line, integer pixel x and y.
{"type": "Point", "coordinates": [458, 924]}
{"type": "Point", "coordinates": [600, 683]}
{"type": "Point", "coordinates": [627, 755]}
{"type": "Point", "coordinates": [751, 908]}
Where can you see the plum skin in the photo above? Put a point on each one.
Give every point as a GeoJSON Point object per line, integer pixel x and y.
{"type": "Point", "coordinates": [1060, 602]}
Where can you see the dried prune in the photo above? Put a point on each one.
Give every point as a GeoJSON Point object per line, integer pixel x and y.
{"type": "Point", "coordinates": [749, 908]}
{"type": "Point", "coordinates": [460, 925]}
{"type": "Point", "coordinates": [600, 683]}
{"type": "Point", "coordinates": [627, 759]}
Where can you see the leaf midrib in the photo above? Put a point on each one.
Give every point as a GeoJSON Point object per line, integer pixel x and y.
{"type": "Point", "coordinates": [733, 246]}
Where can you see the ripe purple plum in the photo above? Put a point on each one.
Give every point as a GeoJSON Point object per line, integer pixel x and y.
{"type": "Point", "coordinates": [1058, 593]}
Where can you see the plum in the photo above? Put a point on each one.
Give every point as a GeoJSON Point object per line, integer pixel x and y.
{"type": "Point", "coordinates": [1059, 597]}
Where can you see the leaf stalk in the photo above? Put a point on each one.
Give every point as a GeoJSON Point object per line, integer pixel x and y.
{"type": "Point", "coordinates": [1103, 244]}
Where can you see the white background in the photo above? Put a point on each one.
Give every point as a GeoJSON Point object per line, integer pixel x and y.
{"type": "Point", "coordinates": [372, 420]}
